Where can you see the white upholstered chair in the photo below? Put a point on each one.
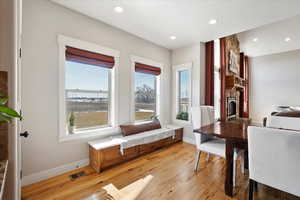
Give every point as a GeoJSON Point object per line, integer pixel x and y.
{"type": "Point", "coordinates": [202, 116]}
{"type": "Point", "coordinates": [274, 158]}
{"type": "Point", "coordinates": [292, 123]}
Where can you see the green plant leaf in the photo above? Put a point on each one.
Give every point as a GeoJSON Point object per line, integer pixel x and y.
{"type": "Point", "coordinates": [183, 116]}
{"type": "Point", "coordinates": [4, 118]}
{"type": "Point", "coordinates": [3, 100]}
{"type": "Point", "coordinates": [72, 119]}
{"type": "Point", "coordinates": [2, 95]}
{"type": "Point", "coordinates": [9, 112]}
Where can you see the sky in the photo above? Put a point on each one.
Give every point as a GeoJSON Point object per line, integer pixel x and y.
{"type": "Point", "coordinates": [89, 77]}
{"type": "Point", "coordinates": [86, 77]}
{"type": "Point", "coordinates": [144, 79]}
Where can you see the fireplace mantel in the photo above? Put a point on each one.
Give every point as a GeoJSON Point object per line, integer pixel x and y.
{"type": "Point", "coordinates": [234, 82]}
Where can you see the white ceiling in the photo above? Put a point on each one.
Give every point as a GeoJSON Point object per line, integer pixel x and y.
{"type": "Point", "coordinates": [157, 20]}
{"type": "Point", "coordinates": [271, 38]}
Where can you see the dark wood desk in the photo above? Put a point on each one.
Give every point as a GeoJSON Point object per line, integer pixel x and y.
{"type": "Point", "coordinates": [235, 134]}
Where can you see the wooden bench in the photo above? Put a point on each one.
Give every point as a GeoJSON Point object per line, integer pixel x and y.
{"type": "Point", "coordinates": [109, 154]}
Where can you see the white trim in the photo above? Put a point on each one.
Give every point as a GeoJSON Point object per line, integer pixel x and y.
{"type": "Point", "coordinates": [159, 85]}
{"type": "Point", "coordinates": [14, 83]}
{"type": "Point", "coordinates": [182, 122]}
{"type": "Point", "coordinates": [189, 140]}
{"type": "Point", "coordinates": [92, 134]}
{"type": "Point", "coordinates": [183, 66]}
{"type": "Point", "coordinates": [49, 173]}
{"type": "Point", "coordinates": [64, 41]}
{"type": "Point", "coordinates": [176, 69]}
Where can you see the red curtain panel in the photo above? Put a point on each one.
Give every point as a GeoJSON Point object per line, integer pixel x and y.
{"type": "Point", "coordinates": [223, 76]}
{"type": "Point", "coordinates": [244, 97]}
{"type": "Point", "coordinates": [247, 87]}
{"type": "Point", "coordinates": [209, 73]}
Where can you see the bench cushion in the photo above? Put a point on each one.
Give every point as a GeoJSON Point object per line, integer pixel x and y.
{"type": "Point", "coordinates": [132, 129]}
{"type": "Point", "coordinates": [146, 137]}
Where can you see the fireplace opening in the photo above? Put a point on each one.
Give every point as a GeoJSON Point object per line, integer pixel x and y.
{"type": "Point", "coordinates": [231, 113]}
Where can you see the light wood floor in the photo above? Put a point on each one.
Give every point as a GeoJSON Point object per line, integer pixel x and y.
{"type": "Point", "coordinates": [173, 179]}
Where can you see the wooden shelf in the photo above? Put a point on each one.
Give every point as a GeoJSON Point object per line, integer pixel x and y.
{"type": "Point", "coordinates": [235, 82]}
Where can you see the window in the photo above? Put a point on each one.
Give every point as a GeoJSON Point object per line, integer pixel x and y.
{"type": "Point", "coordinates": [183, 97]}
{"type": "Point", "coordinates": [87, 86]}
{"type": "Point", "coordinates": [145, 96]}
{"type": "Point", "coordinates": [87, 96]}
{"type": "Point", "coordinates": [146, 89]}
{"type": "Point", "coordinates": [183, 91]}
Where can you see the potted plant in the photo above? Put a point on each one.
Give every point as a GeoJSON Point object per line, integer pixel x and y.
{"type": "Point", "coordinates": [183, 116]}
{"type": "Point", "coordinates": [154, 118]}
{"type": "Point", "coordinates": [6, 113]}
{"type": "Point", "coordinates": [71, 123]}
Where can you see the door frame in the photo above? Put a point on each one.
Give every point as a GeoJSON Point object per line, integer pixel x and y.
{"type": "Point", "coordinates": [14, 186]}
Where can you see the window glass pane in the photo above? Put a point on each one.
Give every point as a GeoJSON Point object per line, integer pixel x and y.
{"type": "Point", "coordinates": [87, 95]}
{"type": "Point", "coordinates": [145, 96]}
{"type": "Point", "coordinates": [183, 95]}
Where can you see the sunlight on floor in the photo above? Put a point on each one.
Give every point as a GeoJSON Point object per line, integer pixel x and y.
{"type": "Point", "coordinates": [130, 192]}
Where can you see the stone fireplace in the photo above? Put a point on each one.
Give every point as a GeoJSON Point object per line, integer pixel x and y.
{"type": "Point", "coordinates": [234, 79]}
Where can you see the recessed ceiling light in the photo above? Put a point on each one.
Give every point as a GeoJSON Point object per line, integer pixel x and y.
{"type": "Point", "coordinates": [287, 39]}
{"type": "Point", "coordinates": [255, 39]}
{"type": "Point", "coordinates": [173, 37]}
{"type": "Point", "coordinates": [118, 9]}
{"type": "Point", "coordinates": [212, 21]}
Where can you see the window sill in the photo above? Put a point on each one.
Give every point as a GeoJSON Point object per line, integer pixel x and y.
{"type": "Point", "coordinates": [89, 134]}
{"type": "Point", "coordinates": [182, 122]}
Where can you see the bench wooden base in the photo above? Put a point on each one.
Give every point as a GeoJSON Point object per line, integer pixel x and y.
{"type": "Point", "coordinates": [105, 158]}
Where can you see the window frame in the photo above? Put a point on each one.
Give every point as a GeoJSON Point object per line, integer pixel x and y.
{"type": "Point", "coordinates": [176, 69]}
{"type": "Point", "coordinates": [63, 136]}
{"type": "Point", "coordinates": [217, 78]}
{"type": "Point", "coordinates": [158, 86]}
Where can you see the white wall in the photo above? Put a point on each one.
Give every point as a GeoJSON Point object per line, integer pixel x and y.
{"type": "Point", "coordinates": [275, 80]}
{"type": "Point", "coordinates": [196, 54]}
{"type": "Point", "coordinates": [43, 21]}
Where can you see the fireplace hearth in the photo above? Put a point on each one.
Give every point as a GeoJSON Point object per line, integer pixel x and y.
{"type": "Point", "coordinates": [231, 104]}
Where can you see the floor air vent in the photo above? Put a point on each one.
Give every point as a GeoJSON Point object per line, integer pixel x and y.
{"type": "Point", "coordinates": [77, 175]}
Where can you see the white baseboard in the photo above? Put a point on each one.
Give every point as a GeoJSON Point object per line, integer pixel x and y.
{"type": "Point", "coordinates": [43, 175]}
{"type": "Point", "coordinates": [257, 121]}
{"type": "Point", "coordinates": [189, 140]}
